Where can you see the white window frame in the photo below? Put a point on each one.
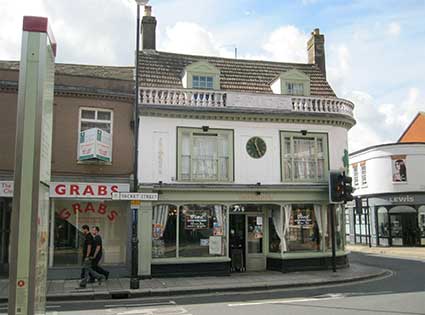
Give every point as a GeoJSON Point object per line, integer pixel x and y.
{"type": "Point", "coordinates": [196, 132]}
{"type": "Point", "coordinates": [206, 82]}
{"type": "Point", "coordinates": [294, 91]}
{"type": "Point", "coordinates": [363, 174]}
{"type": "Point", "coordinates": [316, 135]}
{"type": "Point", "coordinates": [356, 175]}
{"type": "Point", "coordinates": [80, 120]}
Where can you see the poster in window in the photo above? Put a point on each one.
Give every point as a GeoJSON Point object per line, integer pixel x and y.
{"type": "Point", "coordinates": [197, 220]}
{"type": "Point", "coordinates": [215, 247]}
{"type": "Point", "coordinates": [399, 166]}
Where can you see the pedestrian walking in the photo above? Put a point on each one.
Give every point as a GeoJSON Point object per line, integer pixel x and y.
{"type": "Point", "coordinates": [87, 271]}
{"type": "Point", "coordinates": [98, 253]}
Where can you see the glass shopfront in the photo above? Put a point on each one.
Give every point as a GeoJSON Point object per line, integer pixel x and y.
{"type": "Point", "coordinates": [5, 216]}
{"type": "Point", "coordinates": [111, 217]}
{"type": "Point", "coordinates": [400, 225]}
{"type": "Point", "coordinates": [190, 230]}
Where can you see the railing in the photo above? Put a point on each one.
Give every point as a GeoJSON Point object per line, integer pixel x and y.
{"type": "Point", "coordinates": [180, 97]}
{"type": "Point", "coordinates": [322, 105]}
{"type": "Point", "coordinates": [219, 99]}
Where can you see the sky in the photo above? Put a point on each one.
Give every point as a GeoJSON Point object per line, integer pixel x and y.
{"type": "Point", "coordinates": [375, 49]}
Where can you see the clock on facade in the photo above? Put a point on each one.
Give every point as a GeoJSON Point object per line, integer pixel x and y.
{"type": "Point", "coordinates": [256, 147]}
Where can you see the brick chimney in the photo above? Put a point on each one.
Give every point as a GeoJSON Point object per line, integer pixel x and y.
{"type": "Point", "coordinates": [316, 50]}
{"type": "Point", "coordinates": [148, 29]}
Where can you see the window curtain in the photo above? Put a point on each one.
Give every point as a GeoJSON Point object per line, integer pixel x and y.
{"type": "Point", "coordinates": [204, 157]}
{"type": "Point", "coordinates": [287, 210]}
{"type": "Point", "coordinates": [159, 220]}
{"type": "Point", "coordinates": [219, 216]}
{"type": "Point", "coordinates": [318, 214]}
{"type": "Point", "coordinates": [185, 158]}
{"type": "Point", "coordinates": [223, 158]}
{"type": "Point", "coordinates": [278, 225]}
{"type": "Point", "coordinates": [304, 161]}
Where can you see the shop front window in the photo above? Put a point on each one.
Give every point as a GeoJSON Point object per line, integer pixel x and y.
{"type": "Point", "coordinates": [397, 229]}
{"type": "Point", "coordinates": [202, 231]}
{"type": "Point", "coordinates": [275, 230]}
{"type": "Point", "coordinates": [110, 216]}
{"type": "Point", "coordinates": [383, 223]}
{"type": "Point", "coordinates": [303, 233]}
{"type": "Point", "coordinates": [164, 231]}
{"type": "Point", "coordinates": [339, 228]}
{"type": "Point", "coordinates": [421, 223]}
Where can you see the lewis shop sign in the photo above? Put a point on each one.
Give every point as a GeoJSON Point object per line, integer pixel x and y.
{"type": "Point", "coordinates": [86, 190]}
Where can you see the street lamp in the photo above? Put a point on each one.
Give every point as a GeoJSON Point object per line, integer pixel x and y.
{"type": "Point", "coordinates": [134, 281]}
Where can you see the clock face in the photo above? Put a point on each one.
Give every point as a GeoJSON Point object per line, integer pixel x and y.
{"type": "Point", "coordinates": [256, 147]}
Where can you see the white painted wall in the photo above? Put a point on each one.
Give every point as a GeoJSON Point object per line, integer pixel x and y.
{"type": "Point", "coordinates": [158, 141]}
{"type": "Point", "coordinates": [379, 169]}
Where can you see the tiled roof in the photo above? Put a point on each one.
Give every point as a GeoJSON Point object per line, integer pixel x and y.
{"type": "Point", "coordinates": [162, 69]}
{"type": "Point", "coordinates": [103, 72]}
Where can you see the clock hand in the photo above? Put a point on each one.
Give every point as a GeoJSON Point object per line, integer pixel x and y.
{"type": "Point", "coordinates": [256, 147]}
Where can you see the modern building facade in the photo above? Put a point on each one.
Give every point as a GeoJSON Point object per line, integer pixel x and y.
{"type": "Point", "coordinates": [91, 158]}
{"type": "Point", "coordinates": [239, 152]}
{"type": "Point", "coordinates": [390, 191]}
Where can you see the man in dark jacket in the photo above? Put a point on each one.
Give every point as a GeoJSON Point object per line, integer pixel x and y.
{"type": "Point", "coordinates": [98, 252]}
{"type": "Point", "coordinates": [88, 251]}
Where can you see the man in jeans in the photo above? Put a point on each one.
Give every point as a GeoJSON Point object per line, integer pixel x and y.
{"type": "Point", "coordinates": [98, 251]}
{"type": "Point", "coordinates": [88, 251]}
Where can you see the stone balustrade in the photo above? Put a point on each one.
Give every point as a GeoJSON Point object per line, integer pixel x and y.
{"type": "Point", "coordinates": [182, 97]}
{"type": "Point", "coordinates": [220, 99]}
{"type": "Point", "coordinates": [322, 105]}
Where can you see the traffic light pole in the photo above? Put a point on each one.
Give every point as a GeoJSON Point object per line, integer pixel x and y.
{"type": "Point", "coordinates": [333, 240]}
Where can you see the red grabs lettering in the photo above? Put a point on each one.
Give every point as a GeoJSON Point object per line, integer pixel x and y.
{"type": "Point", "coordinates": [60, 189]}
{"type": "Point", "coordinates": [64, 214]}
{"type": "Point", "coordinates": [102, 190]}
{"type": "Point", "coordinates": [74, 190]}
{"type": "Point", "coordinates": [100, 208]}
{"type": "Point", "coordinates": [112, 215]}
{"type": "Point", "coordinates": [88, 191]}
{"type": "Point", "coordinates": [114, 188]}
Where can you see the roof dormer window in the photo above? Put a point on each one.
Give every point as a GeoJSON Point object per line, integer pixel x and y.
{"type": "Point", "coordinates": [201, 75]}
{"type": "Point", "coordinates": [295, 88]}
{"type": "Point", "coordinates": [202, 82]}
{"type": "Point", "coordinates": [291, 82]}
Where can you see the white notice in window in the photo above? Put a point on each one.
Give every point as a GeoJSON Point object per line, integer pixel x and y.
{"type": "Point", "coordinates": [215, 245]}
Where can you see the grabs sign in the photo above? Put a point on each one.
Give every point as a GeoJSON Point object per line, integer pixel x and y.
{"type": "Point", "coordinates": [86, 210]}
{"type": "Point", "coordinates": [86, 190]}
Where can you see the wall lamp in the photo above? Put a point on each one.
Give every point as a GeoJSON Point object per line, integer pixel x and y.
{"type": "Point", "coordinates": [303, 132]}
{"type": "Point", "coordinates": [205, 128]}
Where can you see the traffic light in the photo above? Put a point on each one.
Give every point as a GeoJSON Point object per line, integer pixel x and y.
{"type": "Point", "coordinates": [336, 187]}
{"type": "Point", "coordinates": [340, 187]}
{"type": "Point", "coordinates": [348, 188]}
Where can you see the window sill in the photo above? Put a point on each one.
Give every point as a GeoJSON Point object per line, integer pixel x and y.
{"type": "Point", "coordinates": [306, 254]}
{"type": "Point", "coordinates": [400, 183]}
{"type": "Point", "coordinates": [189, 260]}
{"type": "Point", "coordinates": [96, 162]}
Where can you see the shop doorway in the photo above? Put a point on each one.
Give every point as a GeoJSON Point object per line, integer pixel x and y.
{"type": "Point", "coordinates": [246, 239]}
{"type": "Point", "coordinates": [237, 242]}
{"type": "Point", "coordinates": [404, 226]}
{"type": "Point", "coordinates": [5, 215]}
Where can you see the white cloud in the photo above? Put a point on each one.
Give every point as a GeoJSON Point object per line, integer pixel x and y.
{"type": "Point", "coordinates": [339, 67]}
{"type": "Point", "coordinates": [381, 123]}
{"type": "Point", "coordinates": [191, 38]}
{"type": "Point", "coordinates": [288, 44]}
{"type": "Point", "coordinates": [394, 29]}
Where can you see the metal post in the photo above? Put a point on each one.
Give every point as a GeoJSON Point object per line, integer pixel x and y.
{"type": "Point", "coordinates": [134, 281]}
{"type": "Point", "coordinates": [333, 240]}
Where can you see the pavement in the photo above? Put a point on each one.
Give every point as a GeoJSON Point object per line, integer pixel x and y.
{"type": "Point", "coordinates": [66, 290]}
{"type": "Point", "coordinates": [417, 253]}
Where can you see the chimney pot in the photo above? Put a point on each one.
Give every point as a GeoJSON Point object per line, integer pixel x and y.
{"type": "Point", "coordinates": [148, 10]}
{"type": "Point", "coordinates": [316, 50]}
{"type": "Point", "coordinates": [148, 29]}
